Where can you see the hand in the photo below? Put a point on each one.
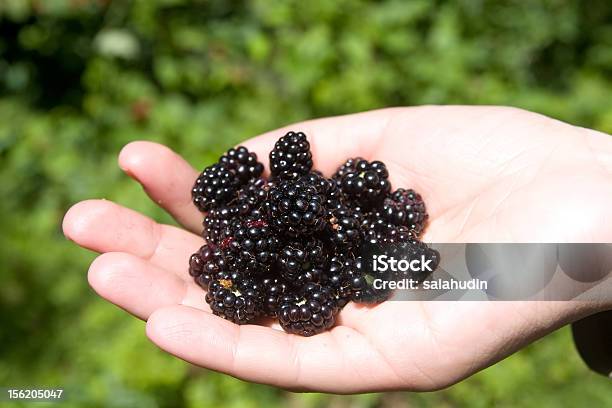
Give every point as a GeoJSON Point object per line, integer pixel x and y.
{"type": "Point", "coordinates": [487, 174]}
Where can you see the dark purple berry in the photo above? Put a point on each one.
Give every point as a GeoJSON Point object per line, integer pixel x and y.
{"type": "Point", "coordinates": [235, 298]}
{"type": "Point", "coordinates": [296, 208]}
{"type": "Point", "coordinates": [215, 186]}
{"type": "Point", "coordinates": [406, 208]}
{"type": "Point", "coordinates": [243, 162]}
{"type": "Point", "coordinates": [366, 183]}
{"type": "Point", "coordinates": [291, 157]}
{"type": "Point", "coordinates": [302, 262]}
{"type": "Point", "coordinates": [311, 310]}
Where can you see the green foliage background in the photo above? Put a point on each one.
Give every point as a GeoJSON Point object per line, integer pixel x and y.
{"type": "Point", "coordinates": [81, 78]}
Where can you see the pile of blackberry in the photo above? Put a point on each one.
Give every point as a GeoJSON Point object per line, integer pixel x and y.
{"type": "Point", "coordinates": [297, 246]}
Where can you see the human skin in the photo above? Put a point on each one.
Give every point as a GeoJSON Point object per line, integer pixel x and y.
{"type": "Point", "coordinates": [487, 174]}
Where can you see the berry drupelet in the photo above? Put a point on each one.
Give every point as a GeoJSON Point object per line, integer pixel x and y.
{"type": "Point", "coordinates": [291, 156]}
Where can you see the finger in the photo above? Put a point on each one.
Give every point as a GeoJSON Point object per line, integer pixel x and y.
{"type": "Point", "coordinates": [139, 287]}
{"type": "Point", "coordinates": [165, 177]}
{"type": "Point", "coordinates": [265, 355]}
{"type": "Point", "coordinates": [104, 226]}
{"type": "Point", "coordinates": [335, 139]}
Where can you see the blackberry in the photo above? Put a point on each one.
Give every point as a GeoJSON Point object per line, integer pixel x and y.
{"type": "Point", "coordinates": [377, 231]}
{"type": "Point", "coordinates": [381, 237]}
{"type": "Point", "coordinates": [243, 162]}
{"type": "Point", "coordinates": [252, 198]}
{"type": "Point", "coordinates": [414, 249]}
{"type": "Point", "coordinates": [327, 188]}
{"type": "Point", "coordinates": [216, 222]}
{"type": "Point", "coordinates": [366, 183]}
{"type": "Point", "coordinates": [406, 208]}
{"type": "Point", "coordinates": [400, 243]}
{"type": "Point", "coordinates": [344, 227]}
{"type": "Point", "coordinates": [335, 277]}
{"type": "Point", "coordinates": [317, 180]}
{"type": "Point", "coordinates": [235, 298]}
{"type": "Point", "coordinates": [249, 205]}
{"type": "Point", "coordinates": [353, 279]}
{"type": "Point", "coordinates": [302, 262]}
{"type": "Point", "coordinates": [250, 246]}
{"type": "Point", "coordinates": [291, 156]}
{"type": "Point", "coordinates": [298, 246]}
{"type": "Point", "coordinates": [296, 208]}
{"type": "Point", "coordinates": [198, 261]}
{"type": "Point", "coordinates": [311, 311]}
{"type": "Point", "coordinates": [346, 167]}
{"type": "Point", "coordinates": [273, 291]}
{"type": "Point", "coordinates": [216, 185]}
{"type": "Point", "coordinates": [205, 264]}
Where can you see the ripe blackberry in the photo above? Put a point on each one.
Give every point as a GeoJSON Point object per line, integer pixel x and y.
{"type": "Point", "coordinates": [296, 208]}
{"type": "Point", "coordinates": [311, 311]}
{"type": "Point", "coordinates": [353, 279]}
{"type": "Point", "coordinates": [299, 247]}
{"type": "Point", "coordinates": [197, 264]}
{"type": "Point", "coordinates": [377, 231]}
{"type": "Point", "coordinates": [216, 221]}
{"type": "Point", "coordinates": [205, 264]}
{"type": "Point", "coordinates": [291, 156]}
{"type": "Point", "coordinates": [380, 237]}
{"type": "Point", "coordinates": [400, 243]}
{"type": "Point", "coordinates": [216, 185]}
{"type": "Point", "coordinates": [273, 291]}
{"type": "Point", "coordinates": [327, 188]}
{"type": "Point", "coordinates": [250, 246]}
{"type": "Point", "coordinates": [364, 182]}
{"type": "Point", "coordinates": [414, 249]}
{"type": "Point", "coordinates": [344, 227]}
{"type": "Point", "coordinates": [346, 167]}
{"type": "Point", "coordinates": [243, 162]}
{"type": "Point", "coordinates": [335, 277]}
{"type": "Point", "coordinates": [235, 298]}
{"type": "Point", "coordinates": [302, 262]}
{"type": "Point", "coordinates": [249, 205]}
{"type": "Point", "coordinates": [406, 208]}
{"type": "Point", "coordinates": [316, 179]}
{"type": "Point", "coordinates": [252, 198]}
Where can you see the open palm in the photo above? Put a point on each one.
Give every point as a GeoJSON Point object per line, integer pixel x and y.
{"type": "Point", "coordinates": [487, 174]}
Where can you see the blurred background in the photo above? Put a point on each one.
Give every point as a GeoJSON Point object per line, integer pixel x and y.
{"type": "Point", "coordinates": [81, 78]}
